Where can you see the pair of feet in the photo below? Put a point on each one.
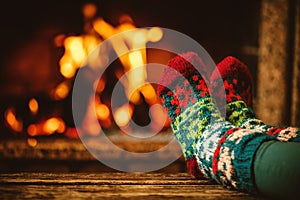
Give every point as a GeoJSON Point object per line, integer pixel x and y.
{"type": "Point", "coordinates": [216, 147]}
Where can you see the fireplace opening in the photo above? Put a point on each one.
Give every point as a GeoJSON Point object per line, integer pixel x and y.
{"type": "Point", "coordinates": [45, 44]}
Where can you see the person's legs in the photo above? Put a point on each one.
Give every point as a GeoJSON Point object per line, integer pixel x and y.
{"type": "Point", "coordinates": [277, 169]}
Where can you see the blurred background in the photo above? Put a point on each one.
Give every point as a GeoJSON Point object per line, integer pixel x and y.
{"type": "Point", "coordinates": [43, 44]}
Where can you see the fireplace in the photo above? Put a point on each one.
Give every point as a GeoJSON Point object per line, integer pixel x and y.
{"type": "Point", "coordinates": [45, 44]}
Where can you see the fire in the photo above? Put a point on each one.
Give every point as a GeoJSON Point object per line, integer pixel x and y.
{"type": "Point", "coordinates": [32, 142]}
{"type": "Point", "coordinates": [76, 50]}
{"type": "Point", "coordinates": [61, 91]}
{"type": "Point", "coordinates": [33, 106]}
{"type": "Point", "coordinates": [102, 111]}
{"type": "Point", "coordinates": [47, 127]}
{"type": "Point", "coordinates": [53, 125]}
{"type": "Point", "coordinates": [123, 115]}
{"type": "Point", "coordinates": [12, 121]}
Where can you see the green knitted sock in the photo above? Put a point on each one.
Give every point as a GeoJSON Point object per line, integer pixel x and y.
{"type": "Point", "coordinates": [237, 81]}
{"type": "Point", "coordinates": [214, 147]}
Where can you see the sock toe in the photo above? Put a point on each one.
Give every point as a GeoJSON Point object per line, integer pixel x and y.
{"type": "Point", "coordinates": [234, 72]}
{"type": "Point", "coordinates": [187, 66]}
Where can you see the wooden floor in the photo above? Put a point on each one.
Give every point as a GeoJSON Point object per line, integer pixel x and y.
{"type": "Point", "coordinates": [111, 186]}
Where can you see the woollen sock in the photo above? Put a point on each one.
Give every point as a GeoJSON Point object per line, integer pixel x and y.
{"type": "Point", "coordinates": [221, 151]}
{"type": "Point", "coordinates": [237, 81]}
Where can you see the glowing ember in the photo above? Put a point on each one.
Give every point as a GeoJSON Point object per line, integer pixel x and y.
{"type": "Point", "coordinates": [32, 142]}
{"type": "Point", "coordinates": [12, 121]}
{"type": "Point", "coordinates": [47, 127]}
{"type": "Point", "coordinates": [33, 106]}
{"type": "Point", "coordinates": [123, 115]}
{"type": "Point", "coordinates": [61, 91]}
{"type": "Point", "coordinates": [76, 50]}
{"type": "Point", "coordinates": [102, 111]}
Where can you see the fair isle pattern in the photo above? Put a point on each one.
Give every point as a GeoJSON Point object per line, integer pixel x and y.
{"type": "Point", "coordinates": [240, 115]}
{"type": "Point", "coordinates": [192, 122]}
{"type": "Point", "coordinates": [207, 145]}
{"type": "Point", "coordinates": [238, 112]}
{"type": "Point", "coordinates": [237, 81]}
{"type": "Point", "coordinates": [232, 164]}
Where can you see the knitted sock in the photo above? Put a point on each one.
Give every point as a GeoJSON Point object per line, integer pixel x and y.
{"type": "Point", "coordinates": [213, 146]}
{"type": "Point", "coordinates": [237, 82]}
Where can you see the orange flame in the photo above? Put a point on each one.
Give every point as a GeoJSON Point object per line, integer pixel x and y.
{"type": "Point", "coordinates": [12, 121]}
{"type": "Point", "coordinates": [77, 48]}
{"type": "Point", "coordinates": [123, 115]}
{"type": "Point", "coordinates": [47, 127]}
{"type": "Point", "coordinates": [33, 106]}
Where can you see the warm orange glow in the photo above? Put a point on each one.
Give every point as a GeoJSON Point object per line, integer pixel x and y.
{"type": "Point", "coordinates": [33, 105]}
{"type": "Point", "coordinates": [99, 85]}
{"type": "Point", "coordinates": [90, 42]}
{"type": "Point", "coordinates": [59, 40]}
{"type": "Point", "coordinates": [10, 117]}
{"type": "Point", "coordinates": [103, 28]}
{"type": "Point", "coordinates": [62, 126]}
{"type": "Point", "coordinates": [123, 115]}
{"type": "Point", "coordinates": [51, 125]}
{"type": "Point", "coordinates": [67, 69]}
{"type": "Point", "coordinates": [149, 93]}
{"type": "Point", "coordinates": [140, 37]}
{"type": "Point", "coordinates": [89, 10]}
{"type": "Point", "coordinates": [12, 121]}
{"type": "Point", "coordinates": [102, 111]}
{"type": "Point", "coordinates": [75, 46]}
{"type": "Point", "coordinates": [136, 59]}
{"type": "Point", "coordinates": [106, 123]}
{"type": "Point", "coordinates": [130, 48]}
{"type": "Point", "coordinates": [61, 91]}
{"type": "Point", "coordinates": [135, 97]}
{"type": "Point", "coordinates": [32, 142]}
{"type": "Point", "coordinates": [71, 133]}
{"type": "Point", "coordinates": [32, 130]}
{"type": "Point", "coordinates": [155, 34]}
{"type": "Point", "coordinates": [125, 19]}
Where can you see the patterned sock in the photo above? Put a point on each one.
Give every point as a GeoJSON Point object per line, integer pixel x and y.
{"type": "Point", "coordinates": [213, 146]}
{"type": "Point", "coordinates": [237, 82]}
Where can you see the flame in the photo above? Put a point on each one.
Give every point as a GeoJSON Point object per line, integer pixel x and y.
{"type": "Point", "coordinates": [102, 111]}
{"type": "Point", "coordinates": [47, 127]}
{"type": "Point", "coordinates": [12, 121]}
{"type": "Point", "coordinates": [53, 125]}
{"type": "Point", "coordinates": [67, 69]}
{"type": "Point", "coordinates": [32, 130]}
{"type": "Point", "coordinates": [123, 115]}
{"type": "Point", "coordinates": [32, 142]}
{"type": "Point", "coordinates": [61, 91]}
{"type": "Point", "coordinates": [33, 106]}
{"type": "Point", "coordinates": [77, 48]}
{"type": "Point", "coordinates": [89, 10]}
{"type": "Point", "coordinates": [149, 93]}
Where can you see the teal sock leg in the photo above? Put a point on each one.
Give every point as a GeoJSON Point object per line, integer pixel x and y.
{"type": "Point", "coordinates": [277, 169]}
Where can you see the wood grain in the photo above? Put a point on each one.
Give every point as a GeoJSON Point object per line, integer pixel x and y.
{"type": "Point", "coordinates": [112, 186]}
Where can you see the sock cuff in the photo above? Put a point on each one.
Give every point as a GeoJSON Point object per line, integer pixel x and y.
{"type": "Point", "coordinates": [207, 145]}
{"type": "Point", "coordinates": [235, 157]}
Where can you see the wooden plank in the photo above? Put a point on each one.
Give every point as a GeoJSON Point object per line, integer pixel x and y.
{"type": "Point", "coordinates": [112, 186]}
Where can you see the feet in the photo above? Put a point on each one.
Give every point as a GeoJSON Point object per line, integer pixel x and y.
{"type": "Point", "coordinates": [213, 147]}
